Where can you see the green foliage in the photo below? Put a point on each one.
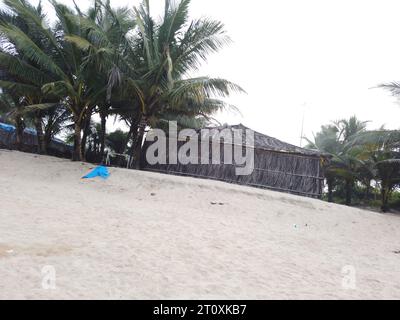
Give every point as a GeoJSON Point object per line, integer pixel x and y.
{"type": "Point", "coordinates": [358, 158]}
{"type": "Point", "coordinates": [116, 141]}
{"type": "Point", "coordinates": [111, 61]}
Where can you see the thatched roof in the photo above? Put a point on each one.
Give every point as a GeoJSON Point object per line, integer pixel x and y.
{"type": "Point", "coordinates": [264, 142]}
{"type": "Point", "coordinates": [261, 141]}
{"type": "Point", "coordinates": [277, 165]}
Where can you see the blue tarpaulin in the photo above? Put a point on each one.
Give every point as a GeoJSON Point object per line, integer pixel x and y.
{"type": "Point", "coordinates": [10, 128]}
{"type": "Point", "coordinates": [7, 127]}
{"type": "Point", "coordinates": [101, 172]}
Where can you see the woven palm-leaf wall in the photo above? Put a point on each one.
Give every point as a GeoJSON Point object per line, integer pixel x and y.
{"type": "Point", "coordinates": [298, 171]}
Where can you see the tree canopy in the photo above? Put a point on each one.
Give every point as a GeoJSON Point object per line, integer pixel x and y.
{"type": "Point", "coordinates": [109, 61]}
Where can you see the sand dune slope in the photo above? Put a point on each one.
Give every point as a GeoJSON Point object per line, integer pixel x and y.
{"type": "Point", "coordinates": [140, 235]}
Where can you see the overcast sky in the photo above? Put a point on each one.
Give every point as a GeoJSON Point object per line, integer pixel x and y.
{"type": "Point", "coordinates": [314, 57]}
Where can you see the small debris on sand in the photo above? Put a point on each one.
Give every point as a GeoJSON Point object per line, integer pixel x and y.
{"type": "Point", "coordinates": [217, 203]}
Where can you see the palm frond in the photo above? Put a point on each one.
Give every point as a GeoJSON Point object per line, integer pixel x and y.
{"type": "Point", "coordinates": [202, 88]}
{"type": "Point", "coordinates": [23, 70]}
{"type": "Point", "coordinates": [29, 49]}
{"type": "Point", "coordinates": [17, 88]}
{"type": "Point", "coordinates": [60, 89]}
{"type": "Point", "coordinates": [175, 18]}
{"type": "Point", "coordinates": [203, 37]}
{"type": "Point", "coordinates": [393, 87]}
{"type": "Point", "coordinates": [39, 107]}
{"type": "Point", "coordinates": [78, 41]}
{"type": "Point", "coordinates": [34, 16]}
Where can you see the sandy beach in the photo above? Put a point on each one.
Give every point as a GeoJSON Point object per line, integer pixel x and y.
{"type": "Point", "coordinates": [140, 235]}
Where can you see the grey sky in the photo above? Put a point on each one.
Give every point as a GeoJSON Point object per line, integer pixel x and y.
{"type": "Point", "coordinates": [287, 53]}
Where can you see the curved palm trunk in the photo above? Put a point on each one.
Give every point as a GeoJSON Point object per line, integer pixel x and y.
{"type": "Point", "coordinates": [349, 191]}
{"type": "Point", "coordinates": [40, 136]}
{"type": "Point", "coordinates": [138, 150]}
{"type": "Point", "coordinates": [47, 139]}
{"type": "Point", "coordinates": [132, 135]}
{"type": "Point", "coordinates": [77, 154]}
{"type": "Point", "coordinates": [86, 130]}
{"type": "Point", "coordinates": [19, 124]}
{"type": "Point", "coordinates": [138, 142]}
{"type": "Point", "coordinates": [103, 136]}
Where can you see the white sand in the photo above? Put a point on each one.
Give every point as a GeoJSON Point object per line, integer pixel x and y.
{"type": "Point", "coordinates": [114, 240]}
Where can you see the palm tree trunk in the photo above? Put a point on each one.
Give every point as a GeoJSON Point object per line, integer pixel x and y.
{"type": "Point", "coordinates": [349, 191]}
{"type": "Point", "coordinates": [132, 135]}
{"type": "Point", "coordinates": [47, 139]}
{"type": "Point", "coordinates": [138, 144]}
{"type": "Point", "coordinates": [77, 154]}
{"type": "Point", "coordinates": [137, 131]}
{"type": "Point", "coordinates": [39, 134]}
{"type": "Point", "coordinates": [103, 135]}
{"type": "Point", "coordinates": [86, 130]}
{"type": "Point", "coordinates": [385, 191]}
{"type": "Point", "coordinates": [19, 124]}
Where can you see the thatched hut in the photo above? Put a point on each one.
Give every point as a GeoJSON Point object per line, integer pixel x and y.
{"type": "Point", "coordinates": [277, 165]}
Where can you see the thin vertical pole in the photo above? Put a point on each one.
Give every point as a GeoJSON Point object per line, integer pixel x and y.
{"type": "Point", "coordinates": [302, 125]}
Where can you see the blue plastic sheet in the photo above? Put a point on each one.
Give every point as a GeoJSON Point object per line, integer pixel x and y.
{"type": "Point", "coordinates": [100, 171]}
{"type": "Point", "coordinates": [10, 128]}
{"type": "Point", "coordinates": [7, 127]}
{"type": "Point", "coordinates": [30, 131]}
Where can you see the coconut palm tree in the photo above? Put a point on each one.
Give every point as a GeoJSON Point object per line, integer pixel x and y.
{"type": "Point", "coordinates": [105, 58]}
{"type": "Point", "coordinates": [53, 64]}
{"type": "Point", "coordinates": [380, 149]}
{"type": "Point", "coordinates": [327, 141]}
{"type": "Point", "coordinates": [336, 140]}
{"type": "Point", "coordinates": [12, 111]}
{"type": "Point", "coordinates": [151, 62]}
{"type": "Point", "coordinates": [388, 172]}
{"type": "Point", "coordinates": [174, 48]}
{"type": "Point", "coordinates": [22, 76]}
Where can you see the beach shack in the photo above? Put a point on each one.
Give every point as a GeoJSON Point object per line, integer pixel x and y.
{"type": "Point", "coordinates": [278, 165]}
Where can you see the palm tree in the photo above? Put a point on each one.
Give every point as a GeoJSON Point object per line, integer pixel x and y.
{"type": "Point", "coordinates": [106, 60]}
{"type": "Point", "coordinates": [327, 141]}
{"type": "Point", "coordinates": [55, 121]}
{"type": "Point", "coordinates": [12, 111]}
{"type": "Point", "coordinates": [346, 166]}
{"type": "Point", "coordinates": [389, 173]}
{"type": "Point", "coordinates": [56, 67]}
{"type": "Point", "coordinates": [22, 76]}
{"type": "Point", "coordinates": [380, 151]}
{"type": "Point", "coordinates": [351, 127]}
{"type": "Point", "coordinates": [336, 140]}
{"type": "Point", "coordinates": [173, 48]}
{"type": "Point", "coordinates": [149, 65]}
